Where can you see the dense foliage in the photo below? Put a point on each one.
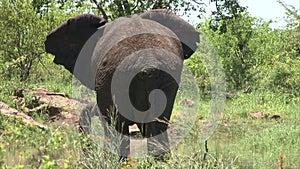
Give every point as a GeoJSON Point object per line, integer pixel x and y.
{"type": "Point", "coordinates": [261, 65]}
{"type": "Point", "coordinates": [254, 55]}
{"type": "Point", "coordinates": [23, 30]}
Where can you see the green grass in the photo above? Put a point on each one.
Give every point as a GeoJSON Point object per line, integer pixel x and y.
{"type": "Point", "coordinates": [238, 142]}
{"type": "Point", "coordinates": [258, 143]}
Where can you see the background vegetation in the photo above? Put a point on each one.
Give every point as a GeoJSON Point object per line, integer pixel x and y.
{"type": "Point", "coordinates": [261, 64]}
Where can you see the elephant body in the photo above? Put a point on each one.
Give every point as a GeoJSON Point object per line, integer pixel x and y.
{"type": "Point", "coordinates": [124, 62]}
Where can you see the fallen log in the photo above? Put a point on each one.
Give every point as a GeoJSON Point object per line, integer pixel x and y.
{"type": "Point", "coordinates": [11, 112]}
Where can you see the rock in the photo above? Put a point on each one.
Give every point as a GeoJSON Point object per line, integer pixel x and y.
{"type": "Point", "coordinates": [59, 106]}
{"type": "Point", "coordinates": [258, 115]}
{"type": "Point", "coordinates": [277, 116]}
{"type": "Point", "coordinates": [188, 102]}
{"type": "Point", "coordinates": [266, 115]}
{"type": "Point", "coordinates": [133, 129]}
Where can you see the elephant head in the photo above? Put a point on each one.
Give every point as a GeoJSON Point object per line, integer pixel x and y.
{"type": "Point", "coordinates": [125, 60]}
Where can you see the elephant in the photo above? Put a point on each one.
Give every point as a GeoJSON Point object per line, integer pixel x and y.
{"type": "Point", "coordinates": [134, 66]}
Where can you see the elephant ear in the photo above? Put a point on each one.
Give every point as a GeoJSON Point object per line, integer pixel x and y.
{"type": "Point", "coordinates": [67, 40]}
{"type": "Point", "coordinates": [186, 33]}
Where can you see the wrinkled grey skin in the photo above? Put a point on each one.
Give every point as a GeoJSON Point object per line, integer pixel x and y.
{"type": "Point", "coordinates": [172, 40]}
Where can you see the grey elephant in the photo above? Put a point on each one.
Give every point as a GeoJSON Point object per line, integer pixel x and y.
{"type": "Point", "coordinates": [133, 64]}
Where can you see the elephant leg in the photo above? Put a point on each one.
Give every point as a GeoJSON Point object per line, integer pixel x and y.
{"type": "Point", "coordinates": [156, 131]}
{"type": "Point", "coordinates": [85, 126]}
{"type": "Point", "coordinates": [116, 134]}
{"type": "Point", "coordinates": [105, 105]}
{"type": "Point", "coordinates": [85, 119]}
{"type": "Point", "coordinates": [157, 138]}
{"type": "Point", "coordinates": [106, 123]}
{"type": "Point", "coordinates": [122, 127]}
{"type": "Point", "coordinates": [115, 126]}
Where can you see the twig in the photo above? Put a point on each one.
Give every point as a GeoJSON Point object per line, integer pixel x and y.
{"type": "Point", "coordinates": [136, 5]}
{"type": "Point", "coordinates": [40, 61]}
{"type": "Point", "coordinates": [285, 6]}
{"type": "Point", "coordinates": [281, 162]}
{"type": "Point", "coordinates": [11, 112]}
{"type": "Point", "coordinates": [101, 10]}
{"type": "Point", "coordinates": [206, 151]}
{"type": "Point", "coordinates": [199, 3]}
